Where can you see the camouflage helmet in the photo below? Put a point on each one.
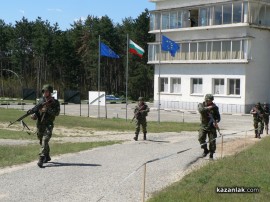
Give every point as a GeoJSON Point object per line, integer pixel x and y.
{"type": "Point", "coordinates": [140, 99]}
{"type": "Point", "coordinates": [47, 87]}
{"type": "Point", "coordinates": [209, 97]}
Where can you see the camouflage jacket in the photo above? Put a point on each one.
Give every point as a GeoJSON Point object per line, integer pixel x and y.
{"type": "Point", "coordinates": [258, 113]}
{"type": "Point", "coordinates": [266, 113]}
{"type": "Point", "coordinates": [208, 116]}
{"type": "Point", "coordinates": [52, 110]}
{"type": "Point", "coordinates": [141, 111]}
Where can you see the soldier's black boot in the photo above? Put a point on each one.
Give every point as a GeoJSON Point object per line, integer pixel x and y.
{"type": "Point", "coordinates": [47, 158]}
{"type": "Point", "coordinates": [211, 156]}
{"type": "Point", "coordinates": [40, 161]}
{"type": "Point", "coordinates": [136, 137]}
{"type": "Point", "coordinates": [256, 134]}
{"type": "Point", "coordinates": [205, 152]}
{"type": "Point", "coordinates": [144, 136]}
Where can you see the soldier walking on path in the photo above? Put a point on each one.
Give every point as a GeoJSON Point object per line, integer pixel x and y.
{"type": "Point", "coordinates": [210, 116]}
{"type": "Point", "coordinates": [140, 113]}
{"type": "Point", "coordinates": [258, 114]}
{"type": "Point", "coordinates": [45, 118]}
{"type": "Point", "coordinates": [266, 116]}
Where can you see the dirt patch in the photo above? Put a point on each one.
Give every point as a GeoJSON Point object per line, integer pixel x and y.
{"type": "Point", "coordinates": [235, 145]}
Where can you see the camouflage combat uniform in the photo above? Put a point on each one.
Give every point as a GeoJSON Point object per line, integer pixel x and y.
{"type": "Point", "coordinates": [266, 117]}
{"type": "Point", "coordinates": [45, 123]}
{"type": "Point", "coordinates": [209, 116]}
{"type": "Point", "coordinates": [140, 113]}
{"type": "Point", "coordinates": [258, 115]}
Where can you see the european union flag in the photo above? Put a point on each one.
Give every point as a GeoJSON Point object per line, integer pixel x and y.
{"type": "Point", "coordinates": [169, 45]}
{"type": "Point", "coordinates": [106, 51]}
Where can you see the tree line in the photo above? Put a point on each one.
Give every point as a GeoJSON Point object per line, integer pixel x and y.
{"type": "Point", "coordinates": [33, 53]}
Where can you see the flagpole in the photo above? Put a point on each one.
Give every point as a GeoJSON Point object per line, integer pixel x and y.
{"type": "Point", "coordinates": [127, 77]}
{"type": "Point", "coordinates": [98, 76]}
{"type": "Point", "coordinates": [159, 82]}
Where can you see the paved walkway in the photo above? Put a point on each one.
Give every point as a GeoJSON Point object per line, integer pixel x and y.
{"type": "Point", "coordinates": [115, 173]}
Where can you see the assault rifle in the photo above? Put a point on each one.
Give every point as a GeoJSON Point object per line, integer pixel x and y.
{"type": "Point", "coordinates": [214, 122]}
{"type": "Point", "coordinates": [138, 111]}
{"type": "Point", "coordinates": [31, 111]}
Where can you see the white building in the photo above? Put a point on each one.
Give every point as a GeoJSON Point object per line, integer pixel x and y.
{"type": "Point", "coordinates": [224, 50]}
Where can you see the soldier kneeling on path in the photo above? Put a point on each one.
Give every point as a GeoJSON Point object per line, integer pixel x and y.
{"type": "Point", "coordinates": [210, 116]}
{"type": "Point", "coordinates": [140, 113]}
{"type": "Point", "coordinates": [258, 114]}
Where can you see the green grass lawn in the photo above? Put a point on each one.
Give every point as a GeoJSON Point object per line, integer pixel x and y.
{"type": "Point", "coordinates": [13, 155]}
{"type": "Point", "coordinates": [247, 169]}
{"type": "Point", "coordinates": [114, 124]}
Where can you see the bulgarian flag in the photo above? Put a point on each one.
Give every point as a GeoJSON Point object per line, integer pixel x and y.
{"type": "Point", "coordinates": [135, 49]}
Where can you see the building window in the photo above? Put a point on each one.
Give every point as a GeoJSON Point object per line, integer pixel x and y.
{"type": "Point", "coordinates": [197, 85]}
{"type": "Point", "coordinates": [218, 86]}
{"type": "Point", "coordinates": [193, 51]}
{"type": "Point", "coordinates": [204, 50]}
{"type": "Point", "coordinates": [218, 15]}
{"type": "Point", "coordinates": [164, 85]}
{"type": "Point", "coordinates": [234, 86]}
{"type": "Point", "coordinates": [227, 14]}
{"type": "Point", "coordinates": [173, 20]}
{"type": "Point", "coordinates": [237, 12]}
{"type": "Point", "coordinates": [184, 55]}
{"type": "Point", "coordinates": [204, 16]}
{"type": "Point", "coordinates": [226, 50]}
{"type": "Point", "coordinates": [176, 85]}
{"type": "Point", "coordinates": [216, 50]}
{"type": "Point", "coordinates": [165, 20]}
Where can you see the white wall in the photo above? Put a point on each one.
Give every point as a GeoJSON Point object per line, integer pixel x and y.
{"type": "Point", "coordinates": [258, 70]}
{"type": "Point", "coordinates": [205, 71]}
{"type": "Point", "coordinates": [254, 74]}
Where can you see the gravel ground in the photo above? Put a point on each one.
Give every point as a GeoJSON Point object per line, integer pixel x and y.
{"type": "Point", "coordinates": [115, 173]}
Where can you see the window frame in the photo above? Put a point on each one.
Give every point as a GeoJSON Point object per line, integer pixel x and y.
{"type": "Point", "coordinates": [232, 90]}
{"type": "Point", "coordinates": [163, 84]}
{"type": "Point", "coordinates": [179, 85]}
{"type": "Point", "coordinates": [198, 89]}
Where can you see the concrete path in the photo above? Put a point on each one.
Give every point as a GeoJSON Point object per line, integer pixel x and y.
{"type": "Point", "coordinates": [115, 173]}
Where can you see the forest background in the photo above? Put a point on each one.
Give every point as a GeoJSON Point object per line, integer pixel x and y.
{"type": "Point", "coordinates": [33, 53]}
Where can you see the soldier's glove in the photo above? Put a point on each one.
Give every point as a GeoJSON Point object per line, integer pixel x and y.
{"type": "Point", "coordinates": [30, 111]}
{"type": "Point", "coordinates": [34, 117]}
{"type": "Point", "coordinates": [43, 109]}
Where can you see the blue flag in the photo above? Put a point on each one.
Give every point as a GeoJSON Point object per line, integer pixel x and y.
{"type": "Point", "coordinates": [106, 51]}
{"type": "Point", "coordinates": [169, 45]}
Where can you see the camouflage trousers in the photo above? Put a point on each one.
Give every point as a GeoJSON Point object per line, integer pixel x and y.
{"type": "Point", "coordinates": [212, 134]}
{"type": "Point", "coordinates": [258, 126]}
{"type": "Point", "coordinates": [44, 135]}
{"type": "Point", "coordinates": [139, 123]}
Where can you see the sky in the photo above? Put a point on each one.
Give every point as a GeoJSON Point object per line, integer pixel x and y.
{"type": "Point", "coordinates": [65, 12]}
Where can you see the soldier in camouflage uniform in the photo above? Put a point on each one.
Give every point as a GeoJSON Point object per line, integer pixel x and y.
{"type": "Point", "coordinates": [140, 113]}
{"type": "Point", "coordinates": [209, 118]}
{"type": "Point", "coordinates": [266, 116]}
{"type": "Point", "coordinates": [45, 118]}
{"type": "Point", "coordinates": [258, 114]}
